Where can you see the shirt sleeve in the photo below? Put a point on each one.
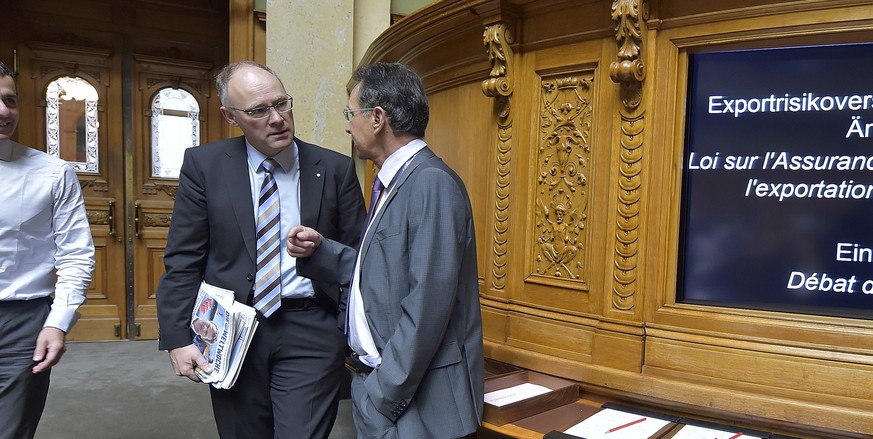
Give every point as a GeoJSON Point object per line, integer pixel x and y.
{"type": "Point", "coordinates": [74, 254]}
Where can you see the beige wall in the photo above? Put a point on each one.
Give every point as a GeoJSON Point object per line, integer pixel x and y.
{"type": "Point", "coordinates": [404, 7]}
{"type": "Point", "coordinates": [314, 51]}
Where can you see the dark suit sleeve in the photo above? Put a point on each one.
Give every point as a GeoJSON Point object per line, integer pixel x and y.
{"type": "Point", "coordinates": [332, 262]}
{"type": "Point", "coordinates": [185, 257]}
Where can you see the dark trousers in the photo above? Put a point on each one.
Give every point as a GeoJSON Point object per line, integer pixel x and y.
{"type": "Point", "coordinates": [290, 381]}
{"type": "Point", "coordinates": [22, 394]}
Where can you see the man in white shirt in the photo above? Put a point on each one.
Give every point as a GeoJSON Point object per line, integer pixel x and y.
{"type": "Point", "coordinates": [46, 261]}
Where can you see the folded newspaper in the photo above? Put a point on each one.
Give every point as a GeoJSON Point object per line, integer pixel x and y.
{"type": "Point", "coordinates": [223, 329]}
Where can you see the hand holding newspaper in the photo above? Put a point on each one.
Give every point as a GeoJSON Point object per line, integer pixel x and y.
{"type": "Point", "coordinates": [223, 329]}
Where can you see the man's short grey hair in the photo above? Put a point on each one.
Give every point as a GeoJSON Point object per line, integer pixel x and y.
{"type": "Point", "coordinates": [399, 91]}
{"type": "Point", "coordinates": [223, 77]}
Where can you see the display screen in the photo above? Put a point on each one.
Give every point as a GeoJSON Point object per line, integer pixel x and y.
{"type": "Point", "coordinates": [777, 207]}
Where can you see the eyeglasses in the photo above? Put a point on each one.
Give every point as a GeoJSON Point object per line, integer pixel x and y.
{"type": "Point", "coordinates": [348, 112]}
{"type": "Point", "coordinates": [282, 106]}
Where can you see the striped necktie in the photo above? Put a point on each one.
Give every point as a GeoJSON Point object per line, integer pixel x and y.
{"type": "Point", "coordinates": [268, 279]}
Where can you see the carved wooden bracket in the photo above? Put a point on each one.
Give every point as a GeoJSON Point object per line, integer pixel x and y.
{"type": "Point", "coordinates": [498, 38]}
{"type": "Point", "coordinates": [629, 70]}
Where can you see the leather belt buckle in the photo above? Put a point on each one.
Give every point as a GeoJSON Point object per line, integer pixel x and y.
{"type": "Point", "coordinates": [299, 304]}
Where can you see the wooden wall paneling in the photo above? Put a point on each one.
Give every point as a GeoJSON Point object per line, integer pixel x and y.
{"type": "Point", "coordinates": [802, 370]}
{"type": "Point", "coordinates": [456, 132]}
{"type": "Point", "coordinates": [610, 320]}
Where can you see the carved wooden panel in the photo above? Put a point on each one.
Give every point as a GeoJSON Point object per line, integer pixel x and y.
{"type": "Point", "coordinates": [562, 166]}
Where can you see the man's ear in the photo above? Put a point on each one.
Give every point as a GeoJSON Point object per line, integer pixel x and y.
{"type": "Point", "coordinates": [379, 118]}
{"type": "Point", "coordinates": [229, 116]}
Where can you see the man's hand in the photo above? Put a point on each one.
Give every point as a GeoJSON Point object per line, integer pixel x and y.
{"type": "Point", "coordinates": [184, 360]}
{"type": "Point", "coordinates": [49, 348]}
{"type": "Point", "coordinates": [302, 241]}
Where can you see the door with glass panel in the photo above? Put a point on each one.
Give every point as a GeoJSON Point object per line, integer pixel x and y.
{"type": "Point", "coordinates": [125, 131]}
{"type": "Point", "coordinates": [172, 107]}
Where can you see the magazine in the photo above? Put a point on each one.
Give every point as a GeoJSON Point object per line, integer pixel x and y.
{"type": "Point", "coordinates": [223, 330]}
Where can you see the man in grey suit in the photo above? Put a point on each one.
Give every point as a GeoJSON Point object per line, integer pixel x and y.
{"type": "Point", "coordinates": [414, 323]}
{"type": "Point", "coordinates": [290, 381]}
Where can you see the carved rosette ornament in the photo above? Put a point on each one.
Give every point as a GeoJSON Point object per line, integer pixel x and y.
{"type": "Point", "coordinates": [562, 197]}
{"type": "Point", "coordinates": [498, 38]}
{"type": "Point", "coordinates": [628, 71]}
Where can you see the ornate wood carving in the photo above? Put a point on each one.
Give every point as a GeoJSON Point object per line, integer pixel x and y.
{"type": "Point", "coordinates": [153, 188]}
{"type": "Point", "coordinates": [562, 197]}
{"type": "Point", "coordinates": [157, 219]}
{"type": "Point", "coordinates": [96, 185]}
{"type": "Point", "coordinates": [627, 233]}
{"type": "Point", "coordinates": [98, 218]}
{"type": "Point", "coordinates": [498, 38]}
{"type": "Point", "coordinates": [628, 71]}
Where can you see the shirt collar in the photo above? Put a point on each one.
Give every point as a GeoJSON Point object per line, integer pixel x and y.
{"type": "Point", "coordinates": [286, 158]}
{"type": "Point", "coordinates": [397, 161]}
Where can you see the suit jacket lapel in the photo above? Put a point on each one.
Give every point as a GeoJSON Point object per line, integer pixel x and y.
{"type": "Point", "coordinates": [237, 187]}
{"type": "Point", "coordinates": [311, 183]}
{"type": "Point", "coordinates": [419, 158]}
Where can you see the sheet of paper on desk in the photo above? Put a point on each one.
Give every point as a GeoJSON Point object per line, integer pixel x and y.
{"type": "Point", "coordinates": [514, 394]}
{"type": "Point", "coordinates": [697, 432]}
{"type": "Point", "coordinates": [616, 424]}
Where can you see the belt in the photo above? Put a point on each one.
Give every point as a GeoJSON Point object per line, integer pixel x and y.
{"type": "Point", "coordinates": [299, 304]}
{"type": "Point", "coordinates": [28, 302]}
{"type": "Point", "coordinates": [358, 365]}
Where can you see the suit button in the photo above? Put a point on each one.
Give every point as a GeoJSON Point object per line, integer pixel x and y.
{"type": "Point", "coordinates": [249, 277]}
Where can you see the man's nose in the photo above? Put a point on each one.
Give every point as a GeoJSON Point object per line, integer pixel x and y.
{"type": "Point", "coordinates": [275, 115]}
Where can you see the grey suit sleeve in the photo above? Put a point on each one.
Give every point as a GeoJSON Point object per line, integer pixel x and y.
{"type": "Point", "coordinates": [332, 262]}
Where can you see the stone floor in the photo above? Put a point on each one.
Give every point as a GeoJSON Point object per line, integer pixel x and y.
{"type": "Point", "coordinates": [127, 390]}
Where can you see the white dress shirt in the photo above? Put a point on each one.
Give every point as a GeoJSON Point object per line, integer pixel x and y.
{"type": "Point", "coordinates": [287, 177]}
{"type": "Point", "coordinates": [45, 239]}
{"type": "Point", "coordinates": [360, 337]}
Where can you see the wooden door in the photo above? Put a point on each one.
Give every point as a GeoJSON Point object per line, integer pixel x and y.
{"type": "Point", "coordinates": [100, 168]}
{"type": "Point", "coordinates": [130, 57]}
{"type": "Point", "coordinates": [155, 168]}
{"type": "Point", "coordinates": [129, 197]}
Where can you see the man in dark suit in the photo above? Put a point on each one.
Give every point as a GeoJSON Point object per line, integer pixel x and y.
{"type": "Point", "coordinates": [290, 381]}
{"type": "Point", "coordinates": [414, 323]}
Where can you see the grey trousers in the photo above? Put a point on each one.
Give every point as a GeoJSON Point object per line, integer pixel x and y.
{"type": "Point", "coordinates": [22, 393]}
